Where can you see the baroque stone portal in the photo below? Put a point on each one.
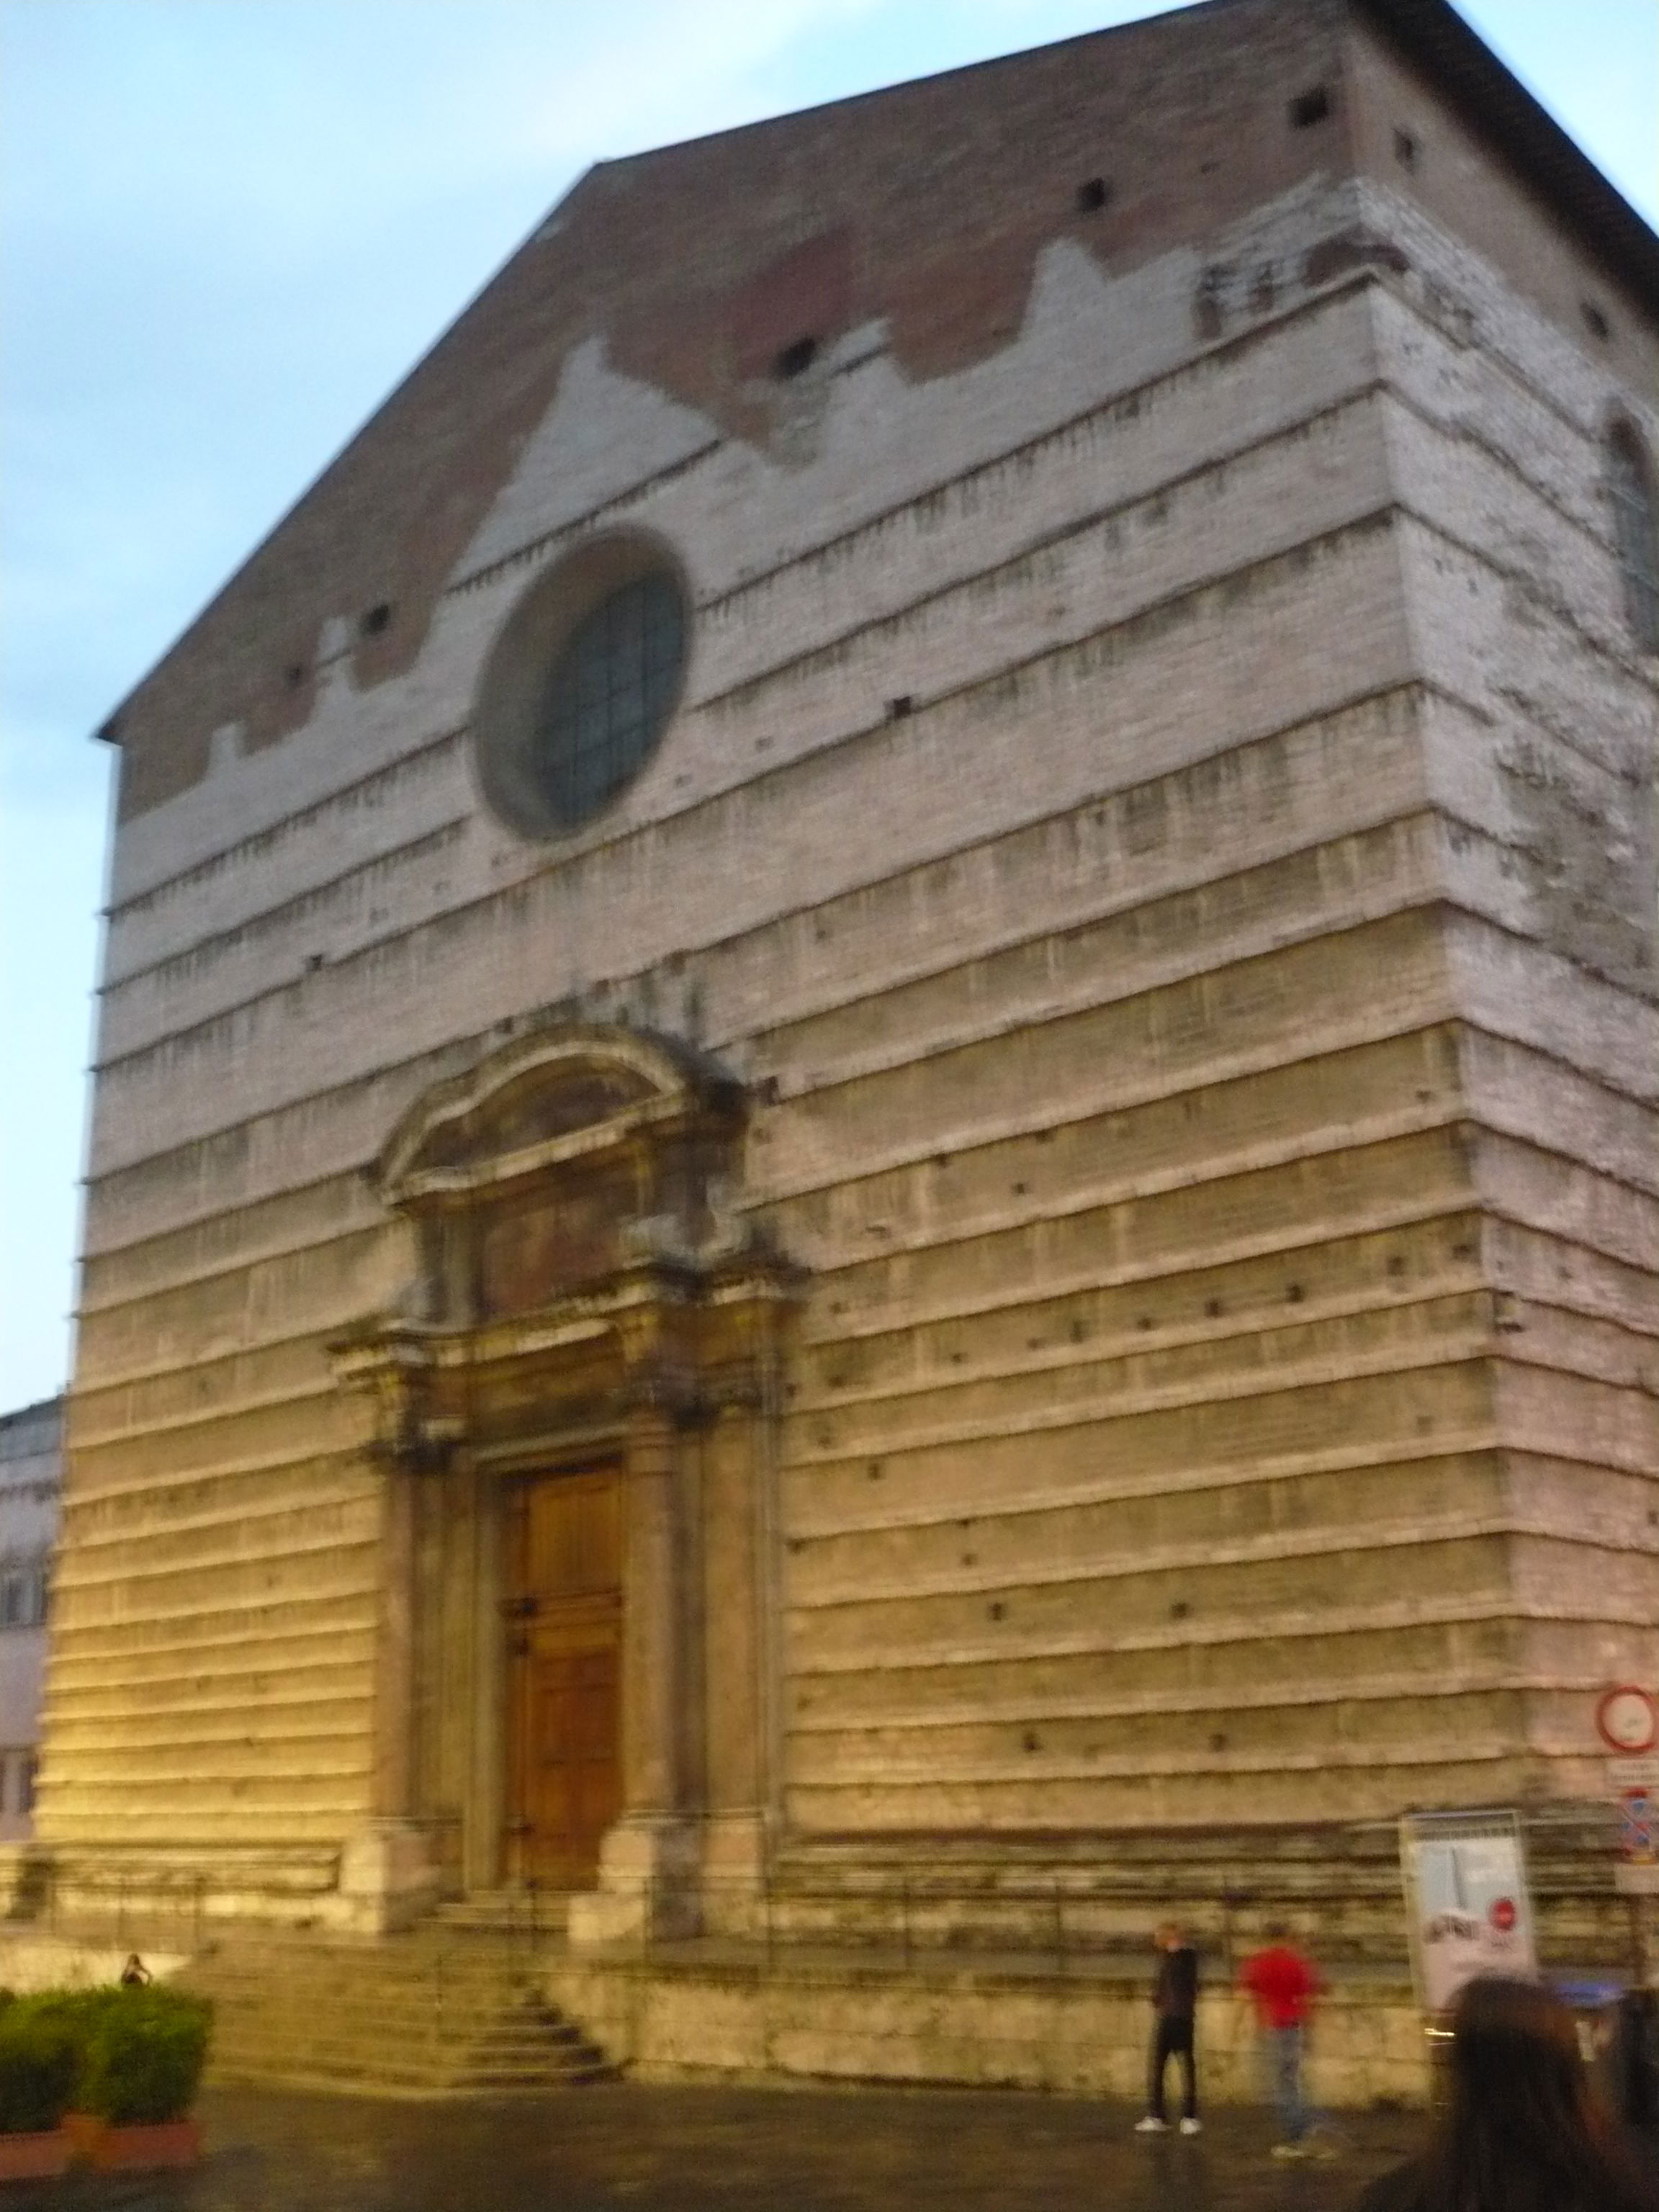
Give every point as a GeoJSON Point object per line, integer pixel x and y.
{"type": "Point", "coordinates": [572, 1420]}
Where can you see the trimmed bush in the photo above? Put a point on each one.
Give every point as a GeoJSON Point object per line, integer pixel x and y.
{"type": "Point", "coordinates": [145, 2049]}
{"type": "Point", "coordinates": [79, 2009]}
{"type": "Point", "coordinates": [39, 2065]}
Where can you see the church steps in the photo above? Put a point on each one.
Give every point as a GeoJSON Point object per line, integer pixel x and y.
{"type": "Point", "coordinates": [424, 2014]}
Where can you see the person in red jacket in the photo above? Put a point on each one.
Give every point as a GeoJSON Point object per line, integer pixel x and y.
{"type": "Point", "coordinates": [1283, 1985]}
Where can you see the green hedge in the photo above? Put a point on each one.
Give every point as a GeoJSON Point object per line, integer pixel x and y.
{"type": "Point", "coordinates": [132, 2056]}
{"type": "Point", "coordinates": [144, 2055]}
{"type": "Point", "coordinates": [40, 2057]}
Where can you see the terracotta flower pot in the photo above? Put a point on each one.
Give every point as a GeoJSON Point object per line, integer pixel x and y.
{"type": "Point", "coordinates": [133, 2150]}
{"type": "Point", "coordinates": [28, 2158]}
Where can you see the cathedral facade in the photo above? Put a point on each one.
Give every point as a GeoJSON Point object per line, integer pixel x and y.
{"type": "Point", "coordinates": [877, 1058]}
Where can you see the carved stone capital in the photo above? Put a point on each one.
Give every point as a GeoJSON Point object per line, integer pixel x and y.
{"type": "Point", "coordinates": [392, 1367]}
{"type": "Point", "coordinates": [662, 1386]}
{"type": "Point", "coordinates": [739, 1387]}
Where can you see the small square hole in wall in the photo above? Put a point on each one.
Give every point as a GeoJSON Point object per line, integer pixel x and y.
{"type": "Point", "coordinates": [795, 359]}
{"type": "Point", "coordinates": [1406, 149]}
{"type": "Point", "coordinates": [1310, 107]}
{"type": "Point", "coordinates": [899, 707]}
{"type": "Point", "coordinates": [1092, 194]}
{"type": "Point", "coordinates": [376, 619]}
{"type": "Point", "coordinates": [1595, 321]}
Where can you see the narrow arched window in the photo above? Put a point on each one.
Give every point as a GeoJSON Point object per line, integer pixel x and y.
{"type": "Point", "coordinates": [1636, 530]}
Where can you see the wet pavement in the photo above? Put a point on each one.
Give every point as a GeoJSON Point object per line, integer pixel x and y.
{"type": "Point", "coordinates": [628, 2147]}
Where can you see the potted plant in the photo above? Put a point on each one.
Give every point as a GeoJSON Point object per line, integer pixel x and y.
{"type": "Point", "coordinates": [40, 2062]}
{"type": "Point", "coordinates": [143, 2055]}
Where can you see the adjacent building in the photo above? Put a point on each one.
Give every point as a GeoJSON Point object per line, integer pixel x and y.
{"type": "Point", "coordinates": [31, 1487]}
{"type": "Point", "coordinates": [878, 1047]}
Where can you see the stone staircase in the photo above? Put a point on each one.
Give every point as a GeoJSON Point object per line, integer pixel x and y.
{"type": "Point", "coordinates": [438, 2012]}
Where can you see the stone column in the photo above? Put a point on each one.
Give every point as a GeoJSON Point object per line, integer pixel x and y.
{"type": "Point", "coordinates": [646, 1861]}
{"type": "Point", "coordinates": [749, 1298]}
{"type": "Point", "coordinates": [386, 1879]}
{"type": "Point", "coordinates": [652, 1662]}
{"type": "Point", "coordinates": [734, 1842]}
{"type": "Point", "coordinates": [392, 1792]}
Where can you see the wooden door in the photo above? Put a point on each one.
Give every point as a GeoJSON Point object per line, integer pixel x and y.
{"type": "Point", "coordinates": [565, 1656]}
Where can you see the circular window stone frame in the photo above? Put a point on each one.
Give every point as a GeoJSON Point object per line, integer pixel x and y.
{"type": "Point", "coordinates": [508, 712]}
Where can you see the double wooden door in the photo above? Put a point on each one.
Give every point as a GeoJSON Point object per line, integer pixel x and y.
{"type": "Point", "coordinates": [563, 1620]}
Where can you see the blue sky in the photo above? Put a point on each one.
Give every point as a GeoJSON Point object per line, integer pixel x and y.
{"type": "Point", "coordinates": [229, 227]}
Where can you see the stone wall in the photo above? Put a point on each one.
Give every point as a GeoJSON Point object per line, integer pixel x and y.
{"type": "Point", "coordinates": [1081, 2036]}
{"type": "Point", "coordinates": [1162, 821]}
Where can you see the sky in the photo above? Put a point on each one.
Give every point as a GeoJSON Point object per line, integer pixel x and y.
{"type": "Point", "coordinates": [228, 227]}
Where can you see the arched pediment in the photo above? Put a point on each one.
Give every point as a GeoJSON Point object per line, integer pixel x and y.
{"type": "Point", "coordinates": [554, 1165]}
{"type": "Point", "coordinates": [542, 1099]}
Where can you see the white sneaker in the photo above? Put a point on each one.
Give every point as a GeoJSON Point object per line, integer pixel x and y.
{"type": "Point", "coordinates": [1149, 2126]}
{"type": "Point", "coordinates": [1191, 2127]}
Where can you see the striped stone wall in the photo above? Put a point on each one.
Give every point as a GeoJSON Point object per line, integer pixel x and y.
{"type": "Point", "coordinates": [1161, 820]}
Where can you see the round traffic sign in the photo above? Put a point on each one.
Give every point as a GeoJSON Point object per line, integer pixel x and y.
{"type": "Point", "coordinates": [1627, 1718]}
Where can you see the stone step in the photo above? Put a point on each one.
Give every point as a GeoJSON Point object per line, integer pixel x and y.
{"type": "Point", "coordinates": [417, 2036]}
{"type": "Point", "coordinates": [330, 2062]}
{"type": "Point", "coordinates": [554, 2049]}
{"type": "Point", "coordinates": [383, 2082]}
{"type": "Point", "coordinates": [486, 2036]}
{"type": "Point", "coordinates": [421, 2015]}
{"type": "Point", "coordinates": [408, 2005]}
{"type": "Point", "coordinates": [328, 2055]}
{"type": "Point", "coordinates": [332, 2054]}
{"type": "Point", "coordinates": [509, 1912]}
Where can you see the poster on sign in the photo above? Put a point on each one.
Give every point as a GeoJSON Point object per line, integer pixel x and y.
{"type": "Point", "coordinates": [1466, 1900]}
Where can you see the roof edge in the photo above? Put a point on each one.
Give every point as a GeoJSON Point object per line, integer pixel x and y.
{"type": "Point", "coordinates": [1497, 105]}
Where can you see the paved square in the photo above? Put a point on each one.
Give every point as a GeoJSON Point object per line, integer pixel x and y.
{"type": "Point", "coordinates": [628, 2147]}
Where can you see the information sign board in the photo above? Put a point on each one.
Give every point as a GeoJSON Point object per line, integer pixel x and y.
{"type": "Point", "coordinates": [1467, 1901]}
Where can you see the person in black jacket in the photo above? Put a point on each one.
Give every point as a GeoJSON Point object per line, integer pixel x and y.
{"type": "Point", "coordinates": [1174, 2008]}
{"type": "Point", "coordinates": [1633, 2063]}
{"type": "Point", "coordinates": [1522, 2132]}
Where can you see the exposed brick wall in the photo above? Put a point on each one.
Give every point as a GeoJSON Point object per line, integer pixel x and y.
{"type": "Point", "coordinates": [924, 206]}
